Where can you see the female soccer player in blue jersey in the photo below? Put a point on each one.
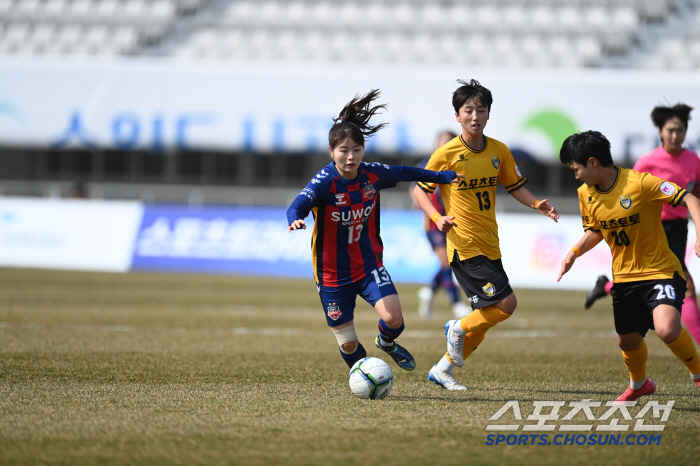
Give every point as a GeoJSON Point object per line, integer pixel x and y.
{"type": "Point", "coordinates": [346, 246]}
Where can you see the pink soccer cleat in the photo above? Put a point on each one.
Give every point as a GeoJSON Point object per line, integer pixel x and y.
{"type": "Point", "coordinates": [648, 388]}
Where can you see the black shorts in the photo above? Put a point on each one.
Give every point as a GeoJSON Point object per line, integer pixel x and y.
{"type": "Point", "coordinates": [634, 302]}
{"type": "Point", "coordinates": [677, 236]}
{"type": "Point", "coordinates": [483, 280]}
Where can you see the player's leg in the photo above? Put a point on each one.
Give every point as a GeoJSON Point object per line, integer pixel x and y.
{"type": "Point", "coordinates": [459, 309]}
{"type": "Point", "coordinates": [600, 290]}
{"type": "Point", "coordinates": [677, 236]}
{"type": "Point", "coordinates": [667, 321]}
{"type": "Point", "coordinates": [632, 321]}
{"type": "Point", "coordinates": [426, 294]}
{"type": "Point", "coordinates": [339, 306]}
{"type": "Point", "coordinates": [690, 313]}
{"type": "Point", "coordinates": [487, 286]}
{"type": "Point", "coordinates": [379, 291]}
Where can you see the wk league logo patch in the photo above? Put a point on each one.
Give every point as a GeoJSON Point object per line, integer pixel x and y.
{"type": "Point", "coordinates": [667, 188]}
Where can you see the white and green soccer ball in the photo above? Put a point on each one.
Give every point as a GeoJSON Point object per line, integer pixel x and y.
{"type": "Point", "coordinates": [371, 378]}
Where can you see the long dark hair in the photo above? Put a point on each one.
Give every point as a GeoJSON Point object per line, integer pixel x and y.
{"type": "Point", "coordinates": [353, 120]}
{"type": "Point", "coordinates": [660, 115]}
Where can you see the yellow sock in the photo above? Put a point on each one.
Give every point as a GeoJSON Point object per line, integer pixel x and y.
{"type": "Point", "coordinates": [471, 341]}
{"type": "Point", "coordinates": [684, 349]}
{"type": "Point", "coordinates": [636, 362]}
{"type": "Point", "coordinates": [482, 319]}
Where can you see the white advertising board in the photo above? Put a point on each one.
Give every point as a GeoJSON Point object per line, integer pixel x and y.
{"type": "Point", "coordinates": [287, 108]}
{"type": "Point", "coordinates": [68, 234]}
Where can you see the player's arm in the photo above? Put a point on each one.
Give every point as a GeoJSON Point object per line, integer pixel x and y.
{"type": "Point", "coordinates": [589, 240]}
{"type": "Point", "coordinates": [693, 205]}
{"type": "Point", "coordinates": [444, 223]}
{"type": "Point", "coordinates": [525, 197]}
{"type": "Point", "coordinates": [302, 204]}
{"type": "Point", "coordinates": [399, 173]}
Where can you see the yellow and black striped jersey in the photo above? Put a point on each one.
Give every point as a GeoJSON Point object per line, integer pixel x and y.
{"type": "Point", "coordinates": [472, 202]}
{"type": "Point", "coordinates": [628, 215]}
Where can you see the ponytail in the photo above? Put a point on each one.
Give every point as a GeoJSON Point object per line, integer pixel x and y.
{"type": "Point", "coordinates": [353, 120]}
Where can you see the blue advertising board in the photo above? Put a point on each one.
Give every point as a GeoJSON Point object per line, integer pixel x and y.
{"type": "Point", "coordinates": [255, 241]}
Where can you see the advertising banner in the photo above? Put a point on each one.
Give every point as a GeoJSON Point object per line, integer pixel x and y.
{"type": "Point", "coordinates": [160, 105]}
{"type": "Point", "coordinates": [68, 234]}
{"type": "Point", "coordinates": [132, 236]}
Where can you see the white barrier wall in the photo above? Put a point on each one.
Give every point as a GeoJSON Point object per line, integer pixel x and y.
{"type": "Point", "coordinates": [68, 234]}
{"type": "Point", "coordinates": [159, 104]}
{"type": "Point", "coordinates": [126, 236]}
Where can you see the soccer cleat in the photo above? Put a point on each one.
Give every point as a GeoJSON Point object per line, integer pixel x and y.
{"type": "Point", "coordinates": [648, 388]}
{"type": "Point", "coordinates": [697, 382]}
{"type": "Point", "coordinates": [597, 292]}
{"type": "Point", "coordinates": [455, 343]}
{"type": "Point", "coordinates": [444, 379]}
{"type": "Point", "coordinates": [425, 303]}
{"type": "Point", "coordinates": [399, 354]}
{"type": "Point", "coordinates": [461, 310]}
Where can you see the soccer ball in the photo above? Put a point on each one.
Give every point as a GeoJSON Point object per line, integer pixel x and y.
{"type": "Point", "coordinates": [371, 378]}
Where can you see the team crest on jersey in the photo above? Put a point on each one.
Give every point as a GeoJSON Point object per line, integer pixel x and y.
{"type": "Point", "coordinates": [667, 188]}
{"type": "Point", "coordinates": [341, 199]}
{"type": "Point", "coordinates": [489, 289]}
{"type": "Point", "coordinates": [334, 312]}
{"type": "Point", "coordinates": [625, 201]}
{"type": "Point", "coordinates": [368, 192]}
{"type": "Point", "coordinates": [495, 162]}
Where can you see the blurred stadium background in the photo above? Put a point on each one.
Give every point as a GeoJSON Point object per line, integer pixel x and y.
{"type": "Point", "coordinates": [170, 135]}
{"type": "Point", "coordinates": [204, 103]}
{"type": "Point", "coordinates": [71, 48]}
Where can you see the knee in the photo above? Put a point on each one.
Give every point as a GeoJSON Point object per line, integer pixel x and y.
{"type": "Point", "coordinates": [508, 305]}
{"type": "Point", "coordinates": [630, 342]}
{"type": "Point", "coordinates": [349, 347]}
{"type": "Point", "coordinates": [395, 320]}
{"type": "Point", "coordinates": [668, 334]}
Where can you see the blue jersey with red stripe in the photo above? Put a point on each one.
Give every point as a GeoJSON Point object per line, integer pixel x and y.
{"type": "Point", "coordinates": [346, 244]}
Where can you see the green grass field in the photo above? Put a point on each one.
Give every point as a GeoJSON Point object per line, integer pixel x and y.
{"type": "Point", "coordinates": [174, 369]}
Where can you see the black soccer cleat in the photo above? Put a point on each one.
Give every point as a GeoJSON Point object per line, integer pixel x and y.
{"type": "Point", "coordinates": [399, 354]}
{"type": "Point", "coordinates": [597, 292]}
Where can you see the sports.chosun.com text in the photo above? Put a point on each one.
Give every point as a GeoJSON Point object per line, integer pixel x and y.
{"type": "Point", "coordinates": [573, 439]}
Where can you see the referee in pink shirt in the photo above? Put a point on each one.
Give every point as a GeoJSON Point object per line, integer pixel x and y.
{"type": "Point", "coordinates": [672, 162]}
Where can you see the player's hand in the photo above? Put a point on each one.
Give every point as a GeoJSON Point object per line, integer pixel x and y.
{"type": "Point", "coordinates": [548, 209]}
{"type": "Point", "coordinates": [566, 264]}
{"type": "Point", "coordinates": [697, 247]}
{"type": "Point", "coordinates": [458, 179]}
{"type": "Point", "coordinates": [297, 225]}
{"type": "Point", "coordinates": [445, 223]}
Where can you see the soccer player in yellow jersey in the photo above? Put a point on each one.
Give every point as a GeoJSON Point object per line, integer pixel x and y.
{"type": "Point", "coordinates": [470, 224]}
{"type": "Point", "coordinates": [623, 207]}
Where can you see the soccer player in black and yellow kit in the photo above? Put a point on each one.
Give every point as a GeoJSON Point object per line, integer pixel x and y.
{"type": "Point", "coordinates": [623, 207]}
{"type": "Point", "coordinates": [470, 224]}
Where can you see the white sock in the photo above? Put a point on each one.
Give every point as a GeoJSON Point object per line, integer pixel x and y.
{"type": "Point", "coordinates": [458, 328]}
{"type": "Point", "coordinates": [695, 376]}
{"type": "Point", "coordinates": [445, 365]}
{"type": "Point", "coordinates": [383, 342]}
{"type": "Point", "coordinates": [637, 385]}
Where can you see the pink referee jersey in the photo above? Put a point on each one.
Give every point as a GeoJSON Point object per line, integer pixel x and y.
{"type": "Point", "coordinates": [682, 169]}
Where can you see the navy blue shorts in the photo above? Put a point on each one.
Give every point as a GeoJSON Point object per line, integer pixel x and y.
{"type": "Point", "coordinates": [436, 238]}
{"type": "Point", "coordinates": [339, 301]}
